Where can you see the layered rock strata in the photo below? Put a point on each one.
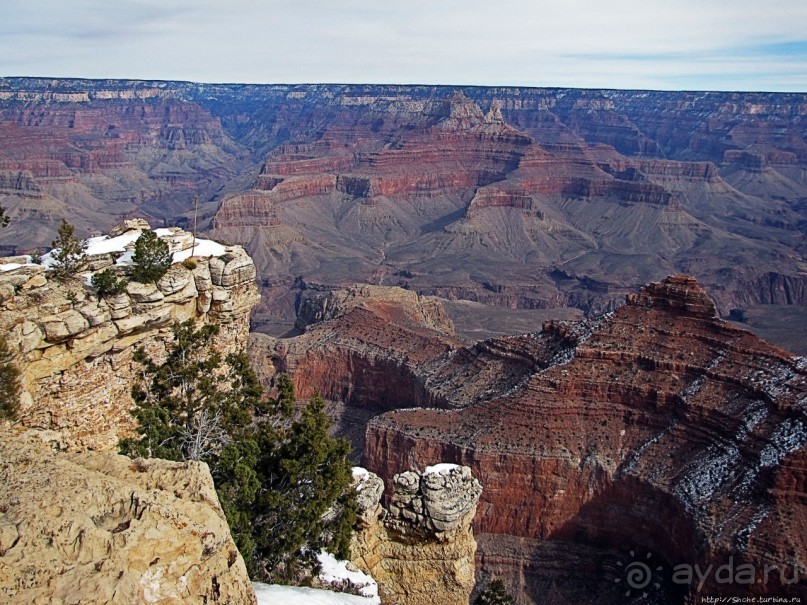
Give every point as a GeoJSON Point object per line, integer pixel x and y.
{"type": "Point", "coordinates": [378, 348]}
{"type": "Point", "coordinates": [657, 429]}
{"type": "Point", "coordinates": [75, 349]}
{"type": "Point", "coordinates": [98, 528]}
{"type": "Point", "coordinates": [421, 548]}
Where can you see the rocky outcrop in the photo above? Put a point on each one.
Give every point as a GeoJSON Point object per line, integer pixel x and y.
{"type": "Point", "coordinates": [101, 528]}
{"type": "Point", "coordinates": [421, 550]}
{"type": "Point", "coordinates": [75, 349]}
{"type": "Point", "coordinates": [396, 304]}
{"type": "Point", "coordinates": [655, 429]}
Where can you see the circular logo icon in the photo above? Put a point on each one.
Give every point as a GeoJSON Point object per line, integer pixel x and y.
{"type": "Point", "coordinates": [638, 574]}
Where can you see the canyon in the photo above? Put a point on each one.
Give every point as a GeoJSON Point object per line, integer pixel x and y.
{"type": "Point", "coordinates": [656, 430]}
{"type": "Point", "coordinates": [512, 198]}
{"type": "Point", "coordinates": [625, 421]}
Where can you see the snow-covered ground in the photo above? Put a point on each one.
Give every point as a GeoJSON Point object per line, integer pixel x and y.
{"type": "Point", "coordinates": [105, 244]}
{"type": "Point", "coordinates": [333, 571]}
{"type": "Point", "coordinates": [272, 594]}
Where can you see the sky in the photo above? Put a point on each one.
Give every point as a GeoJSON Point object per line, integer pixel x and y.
{"type": "Point", "coordinates": [629, 44]}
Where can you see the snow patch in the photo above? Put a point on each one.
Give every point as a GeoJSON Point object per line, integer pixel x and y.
{"type": "Point", "coordinates": [272, 594]}
{"type": "Point", "coordinates": [714, 467]}
{"type": "Point", "coordinates": [10, 266]}
{"type": "Point", "coordinates": [204, 247]}
{"type": "Point", "coordinates": [788, 437]}
{"type": "Point", "coordinates": [442, 468]}
{"type": "Point", "coordinates": [107, 245]}
{"type": "Point", "coordinates": [336, 572]}
{"type": "Point", "coordinates": [360, 474]}
{"type": "Point", "coordinates": [744, 535]}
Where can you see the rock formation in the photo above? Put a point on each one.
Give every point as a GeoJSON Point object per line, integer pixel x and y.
{"type": "Point", "coordinates": [656, 428]}
{"type": "Point", "coordinates": [75, 350]}
{"type": "Point", "coordinates": [421, 549]}
{"type": "Point", "coordinates": [98, 528]}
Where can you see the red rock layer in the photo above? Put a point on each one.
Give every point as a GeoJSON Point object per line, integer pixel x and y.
{"type": "Point", "coordinates": [660, 429]}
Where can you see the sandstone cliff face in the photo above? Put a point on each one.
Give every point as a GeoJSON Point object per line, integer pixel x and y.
{"type": "Point", "coordinates": [100, 528]}
{"type": "Point", "coordinates": [75, 351]}
{"type": "Point", "coordinates": [421, 550]}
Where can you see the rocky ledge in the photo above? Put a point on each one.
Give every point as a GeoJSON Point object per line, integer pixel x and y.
{"type": "Point", "coordinates": [421, 549]}
{"type": "Point", "coordinates": [96, 527]}
{"type": "Point", "coordinates": [74, 348]}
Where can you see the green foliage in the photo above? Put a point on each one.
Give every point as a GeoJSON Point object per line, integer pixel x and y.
{"type": "Point", "coordinates": [9, 383]}
{"type": "Point", "coordinates": [4, 218]}
{"type": "Point", "coordinates": [108, 283]}
{"type": "Point", "coordinates": [495, 594]}
{"type": "Point", "coordinates": [36, 257]}
{"type": "Point", "coordinates": [68, 252]}
{"type": "Point", "coordinates": [189, 264]}
{"type": "Point", "coordinates": [151, 258]}
{"type": "Point", "coordinates": [276, 475]}
{"type": "Point", "coordinates": [305, 475]}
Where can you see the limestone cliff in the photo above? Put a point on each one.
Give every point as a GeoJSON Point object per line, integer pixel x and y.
{"type": "Point", "coordinates": [96, 527]}
{"type": "Point", "coordinates": [420, 551]}
{"type": "Point", "coordinates": [75, 348]}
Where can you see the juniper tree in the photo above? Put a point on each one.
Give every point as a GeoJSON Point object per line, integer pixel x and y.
{"type": "Point", "coordinates": [68, 252]}
{"type": "Point", "coordinates": [108, 283]}
{"type": "Point", "coordinates": [4, 218]}
{"type": "Point", "coordinates": [495, 594]}
{"type": "Point", "coordinates": [304, 476]}
{"type": "Point", "coordinates": [276, 475]}
{"type": "Point", "coordinates": [151, 258]}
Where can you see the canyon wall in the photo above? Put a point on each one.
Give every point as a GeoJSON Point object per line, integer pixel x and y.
{"type": "Point", "coordinates": [75, 349]}
{"type": "Point", "coordinates": [655, 429]}
{"type": "Point", "coordinates": [661, 430]}
{"type": "Point", "coordinates": [512, 197]}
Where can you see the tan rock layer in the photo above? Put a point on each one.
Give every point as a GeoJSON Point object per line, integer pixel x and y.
{"type": "Point", "coordinates": [421, 551]}
{"type": "Point", "coordinates": [98, 528]}
{"type": "Point", "coordinates": [75, 351]}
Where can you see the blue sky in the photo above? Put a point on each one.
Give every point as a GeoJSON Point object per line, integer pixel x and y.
{"type": "Point", "coordinates": [647, 44]}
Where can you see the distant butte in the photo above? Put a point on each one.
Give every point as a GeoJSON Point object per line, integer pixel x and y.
{"type": "Point", "coordinates": [657, 428]}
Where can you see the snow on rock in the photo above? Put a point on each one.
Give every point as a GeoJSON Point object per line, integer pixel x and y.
{"type": "Point", "coordinates": [789, 436]}
{"type": "Point", "coordinates": [272, 594]}
{"type": "Point", "coordinates": [360, 474]}
{"type": "Point", "coordinates": [336, 573]}
{"type": "Point", "coordinates": [105, 244]}
{"type": "Point", "coordinates": [204, 247]}
{"type": "Point", "coordinates": [442, 468]}
{"type": "Point", "coordinates": [124, 245]}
